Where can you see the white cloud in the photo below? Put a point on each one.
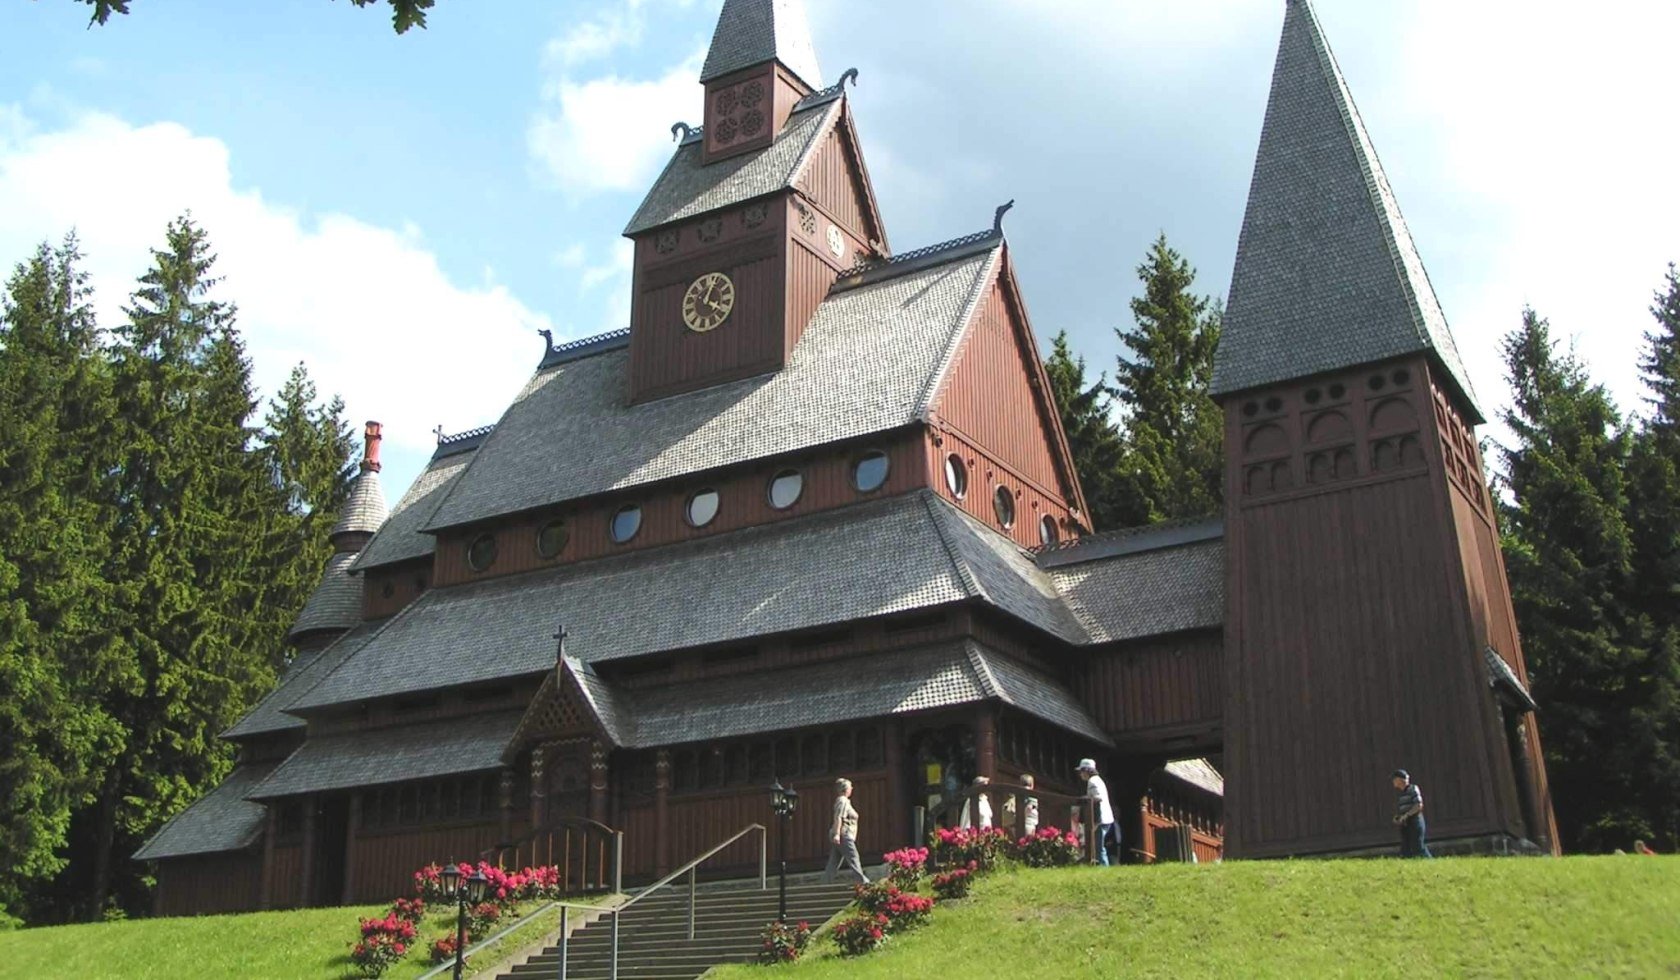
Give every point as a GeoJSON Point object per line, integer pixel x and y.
{"type": "Point", "coordinates": [1553, 128]}
{"type": "Point", "coordinates": [615, 270]}
{"type": "Point", "coordinates": [597, 38]}
{"type": "Point", "coordinates": [610, 133]}
{"type": "Point", "coordinates": [366, 308]}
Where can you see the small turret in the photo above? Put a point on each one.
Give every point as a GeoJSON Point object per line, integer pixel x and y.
{"type": "Point", "coordinates": [336, 604]}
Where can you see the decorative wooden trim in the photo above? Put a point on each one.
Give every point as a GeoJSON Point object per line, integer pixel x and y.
{"type": "Point", "coordinates": [684, 270]}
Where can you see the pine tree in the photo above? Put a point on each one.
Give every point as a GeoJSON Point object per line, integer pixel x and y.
{"type": "Point", "coordinates": [1091, 434]}
{"type": "Point", "coordinates": [1568, 555]}
{"type": "Point", "coordinates": [1174, 461]}
{"type": "Point", "coordinates": [54, 398]}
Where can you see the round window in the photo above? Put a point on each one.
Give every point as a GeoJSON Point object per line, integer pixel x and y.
{"type": "Point", "coordinates": [1047, 530]}
{"type": "Point", "coordinates": [871, 471]}
{"type": "Point", "coordinates": [785, 488]}
{"type": "Point", "coordinates": [626, 523]}
{"type": "Point", "coordinates": [956, 476]}
{"type": "Point", "coordinates": [703, 508]}
{"type": "Point", "coordinates": [1004, 503]}
{"type": "Point", "coordinates": [551, 540]}
{"type": "Point", "coordinates": [481, 554]}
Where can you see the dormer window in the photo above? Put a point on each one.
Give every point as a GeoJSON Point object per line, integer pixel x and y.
{"type": "Point", "coordinates": [626, 523]}
{"type": "Point", "coordinates": [786, 488]}
{"type": "Point", "coordinates": [551, 540]}
{"type": "Point", "coordinates": [481, 554]}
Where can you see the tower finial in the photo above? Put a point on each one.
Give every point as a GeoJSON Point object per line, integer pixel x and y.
{"type": "Point", "coordinates": [560, 635]}
{"type": "Point", "coordinates": [997, 219]}
{"type": "Point", "coordinates": [370, 446]}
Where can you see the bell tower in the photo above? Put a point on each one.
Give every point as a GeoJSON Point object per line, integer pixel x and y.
{"type": "Point", "coordinates": [756, 216]}
{"type": "Point", "coordinates": [1369, 625]}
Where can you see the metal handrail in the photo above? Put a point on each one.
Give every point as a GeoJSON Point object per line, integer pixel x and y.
{"type": "Point", "coordinates": [691, 868]}
{"type": "Point", "coordinates": [586, 826]}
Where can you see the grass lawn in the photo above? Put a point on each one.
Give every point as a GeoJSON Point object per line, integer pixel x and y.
{"type": "Point", "coordinates": [308, 944]}
{"type": "Point", "coordinates": [1452, 917]}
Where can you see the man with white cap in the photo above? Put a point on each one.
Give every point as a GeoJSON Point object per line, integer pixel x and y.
{"type": "Point", "coordinates": [1097, 790]}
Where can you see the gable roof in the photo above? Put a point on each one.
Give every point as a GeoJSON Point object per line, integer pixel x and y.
{"type": "Point", "coordinates": [270, 715]}
{"type": "Point", "coordinates": [220, 820]}
{"type": "Point", "coordinates": [399, 538]}
{"type": "Point", "coordinates": [884, 556]}
{"type": "Point", "coordinates": [1326, 275]}
{"type": "Point", "coordinates": [688, 186]}
{"type": "Point", "coordinates": [867, 363]}
{"type": "Point", "coordinates": [751, 32]}
{"type": "Point", "coordinates": [1199, 773]}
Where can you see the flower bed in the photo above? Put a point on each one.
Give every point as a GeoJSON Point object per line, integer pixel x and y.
{"type": "Point", "coordinates": [960, 847]}
{"type": "Point", "coordinates": [1048, 848]}
{"type": "Point", "coordinates": [860, 933]}
{"type": "Point", "coordinates": [385, 941]}
{"type": "Point", "coordinates": [907, 864]}
{"type": "Point", "coordinates": [953, 884]}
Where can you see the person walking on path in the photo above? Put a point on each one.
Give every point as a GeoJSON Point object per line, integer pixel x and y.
{"type": "Point", "coordinates": [1097, 790]}
{"type": "Point", "coordinates": [1408, 816]}
{"type": "Point", "coordinates": [842, 829]}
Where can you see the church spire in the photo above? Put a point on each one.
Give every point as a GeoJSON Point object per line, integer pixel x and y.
{"type": "Point", "coordinates": [1327, 275]}
{"type": "Point", "coordinates": [752, 32]}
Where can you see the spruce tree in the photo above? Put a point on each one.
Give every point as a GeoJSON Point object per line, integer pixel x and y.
{"type": "Point", "coordinates": [1173, 463]}
{"type": "Point", "coordinates": [54, 400]}
{"type": "Point", "coordinates": [1568, 555]}
{"type": "Point", "coordinates": [186, 558]}
{"type": "Point", "coordinates": [1091, 434]}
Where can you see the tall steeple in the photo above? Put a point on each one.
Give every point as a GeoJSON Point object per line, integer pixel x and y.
{"type": "Point", "coordinates": [752, 32]}
{"type": "Point", "coordinates": [1327, 276]}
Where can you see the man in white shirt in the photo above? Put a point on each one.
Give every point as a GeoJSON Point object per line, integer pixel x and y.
{"type": "Point", "coordinates": [1097, 790]}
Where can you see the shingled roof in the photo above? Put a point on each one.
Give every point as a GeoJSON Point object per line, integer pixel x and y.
{"type": "Point", "coordinates": [869, 362]}
{"type": "Point", "coordinates": [336, 603]}
{"type": "Point", "coordinates": [1326, 275]}
{"type": "Point", "coordinates": [400, 538]}
{"type": "Point", "coordinates": [270, 715]}
{"type": "Point", "coordinates": [1143, 582]}
{"type": "Point", "coordinates": [751, 32]}
{"type": "Point", "coordinates": [427, 750]}
{"type": "Point", "coordinates": [689, 186]}
{"type": "Point", "coordinates": [364, 508]}
{"type": "Point", "coordinates": [221, 820]}
{"type": "Point", "coordinates": [885, 556]}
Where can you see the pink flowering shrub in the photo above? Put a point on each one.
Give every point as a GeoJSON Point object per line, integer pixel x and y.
{"type": "Point", "coordinates": [443, 950]}
{"type": "Point", "coordinates": [957, 848]}
{"type": "Point", "coordinates": [907, 864]}
{"type": "Point", "coordinates": [383, 943]}
{"type": "Point", "coordinates": [1048, 848]}
{"type": "Point", "coordinates": [861, 933]}
{"type": "Point", "coordinates": [409, 909]}
{"type": "Point", "coordinates": [901, 909]}
{"type": "Point", "coordinates": [783, 943]}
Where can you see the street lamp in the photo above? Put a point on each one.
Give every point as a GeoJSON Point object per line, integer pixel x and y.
{"type": "Point", "coordinates": [474, 892]}
{"type": "Point", "coordinates": [783, 801]}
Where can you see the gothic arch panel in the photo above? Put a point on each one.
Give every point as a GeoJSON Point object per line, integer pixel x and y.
{"type": "Point", "coordinates": [1267, 439]}
{"type": "Point", "coordinates": [1329, 426]}
{"type": "Point", "coordinates": [1393, 415]}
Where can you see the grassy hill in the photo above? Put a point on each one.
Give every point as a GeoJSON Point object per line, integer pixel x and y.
{"type": "Point", "coordinates": [1466, 917]}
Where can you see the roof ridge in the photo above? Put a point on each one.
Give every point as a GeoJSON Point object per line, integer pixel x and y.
{"type": "Point", "coordinates": [817, 136]}
{"type": "Point", "coordinates": [1131, 540]}
{"type": "Point", "coordinates": [959, 336]}
{"type": "Point", "coordinates": [577, 350]}
{"type": "Point", "coordinates": [868, 271]}
{"type": "Point", "coordinates": [983, 670]}
{"type": "Point", "coordinates": [970, 581]}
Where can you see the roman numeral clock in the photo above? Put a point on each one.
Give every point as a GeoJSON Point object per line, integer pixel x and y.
{"type": "Point", "coordinates": [708, 302]}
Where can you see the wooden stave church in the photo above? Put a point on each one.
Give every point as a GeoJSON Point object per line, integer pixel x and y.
{"type": "Point", "coordinates": [889, 623]}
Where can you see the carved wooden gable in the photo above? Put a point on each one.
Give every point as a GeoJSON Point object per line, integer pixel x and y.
{"type": "Point", "coordinates": [557, 712]}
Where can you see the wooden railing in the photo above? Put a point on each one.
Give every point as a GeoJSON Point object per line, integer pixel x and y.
{"type": "Point", "coordinates": [1057, 810]}
{"type": "Point", "coordinates": [588, 855]}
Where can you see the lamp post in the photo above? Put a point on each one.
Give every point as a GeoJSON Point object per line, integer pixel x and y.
{"type": "Point", "coordinates": [474, 892]}
{"type": "Point", "coordinates": [783, 801]}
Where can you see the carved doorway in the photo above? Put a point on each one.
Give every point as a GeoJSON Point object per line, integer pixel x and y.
{"type": "Point", "coordinates": [566, 779]}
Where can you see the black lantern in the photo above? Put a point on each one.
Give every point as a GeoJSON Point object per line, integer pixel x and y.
{"type": "Point", "coordinates": [451, 876]}
{"type": "Point", "coordinates": [476, 884]}
{"type": "Point", "coordinates": [783, 801]}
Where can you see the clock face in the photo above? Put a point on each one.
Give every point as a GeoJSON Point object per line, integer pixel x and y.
{"type": "Point", "coordinates": [708, 302]}
{"type": "Point", "coordinates": [836, 243]}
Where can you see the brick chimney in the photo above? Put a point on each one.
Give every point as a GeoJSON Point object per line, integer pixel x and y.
{"type": "Point", "coordinates": [370, 447]}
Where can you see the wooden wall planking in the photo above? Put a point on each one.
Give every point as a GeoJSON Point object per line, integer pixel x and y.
{"type": "Point", "coordinates": [1158, 682]}
{"type": "Point", "coordinates": [833, 183]}
{"type": "Point", "coordinates": [286, 877]}
{"type": "Point", "coordinates": [386, 590]}
{"type": "Point", "coordinates": [986, 472]}
{"type": "Point", "coordinates": [991, 398]}
{"type": "Point", "coordinates": [811, 274]}
{"type": "Point", "coordinates": [744, 502]}
{"type": "Point", "coordinates": [209, 884]}
{"type": "Point", "coordinates": [384, 862]}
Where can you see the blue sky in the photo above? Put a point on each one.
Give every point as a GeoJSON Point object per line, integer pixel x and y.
{"type": "Point", "coordinates": [402, 213]}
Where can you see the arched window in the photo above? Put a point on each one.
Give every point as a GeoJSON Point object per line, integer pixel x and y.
{"type": "Point", "coordinates": [785, 488]}
{"type": "Point", "coordinates": [702, 508]}
{"type": "Point", "coordinates": [626, 523]}
{"type": "Point", "coordinates": [870, 472]}
{"type": "Point", "coordinates": [956, 476]}
{"type": "Point", "coordinates": [1003, 502]}
{"type": "Point", "coordinates": [1047, 534]}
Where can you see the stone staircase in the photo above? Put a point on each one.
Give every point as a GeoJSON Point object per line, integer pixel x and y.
{"type": "Point", "coordinates": [653, 939]}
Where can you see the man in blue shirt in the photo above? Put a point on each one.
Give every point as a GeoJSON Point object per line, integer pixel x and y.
{"type": "Point", "coordinates": [1408, 816]}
